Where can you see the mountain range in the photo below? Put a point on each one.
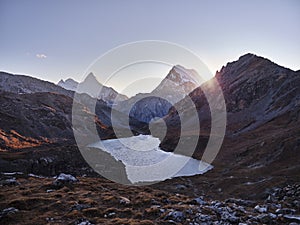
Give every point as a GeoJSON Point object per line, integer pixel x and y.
{"type": "Point", "coordinates": [262, 133]}
{"type": "Point", "coordinates": [106, 94]}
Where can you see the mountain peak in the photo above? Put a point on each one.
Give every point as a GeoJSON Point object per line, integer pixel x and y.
{"type": "Point", "coordinates": [91, 78]}
{"type": "Point", "coordinates": [180, 75]}
{"type": "Point", "coordinates": [247, 56]}
{"type": "Point", "coordinates": [245, 65]}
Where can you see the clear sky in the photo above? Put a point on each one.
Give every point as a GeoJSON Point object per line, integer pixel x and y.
{"type": "Point", "coordinates": [59, 39]}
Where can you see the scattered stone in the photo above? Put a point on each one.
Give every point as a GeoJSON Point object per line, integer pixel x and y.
{"type": "Point", "coordinates": [180, 187]}
{"type": "Point", "coordinates": [124, 201]}
{"type": "Point", "coordinates": [203, 218]}
{"type": "Point", "coordinates": [9, 181]}
{"type": "Point", "coordinates": [229, 216]}
{"type": "Point", "coordinates": [176, 216]}
{"type": "Point", "coordinates": [198, 201]}
{"type": "Point", "coordinates": [8, 211]}
{"type": "Point", "coordinates": [285, 211]}
{"type": "Point", "coordinates": [80, 207]}
{"type": "Point", "coordinates": [293, 218]}
{"type": "Point", "coordinates": [264, 218]}
{"type": "Point", "coordinates": [260, 209]}
{"type": "Point", "coordinates": [240, 202]}
{"type": "Point", "coordinates": [272, 216]}
{"type": "Point", "coordinates": [110, 214]}
{"type": "Point", "coordinates": [64, 179]}
{"type": "Point", "coordinates": [83, 222]}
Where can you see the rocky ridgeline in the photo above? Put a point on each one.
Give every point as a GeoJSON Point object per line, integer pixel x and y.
{"type": "Point", "coordinates": [282, 205]}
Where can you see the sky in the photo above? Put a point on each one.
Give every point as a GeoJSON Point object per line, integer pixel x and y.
{"type": "Point", "coordinates": [58, 39]}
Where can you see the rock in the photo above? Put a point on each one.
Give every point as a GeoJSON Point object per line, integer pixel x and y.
{"type": "Point", "coordinates": [203, 218]}
{"type": "Point", "coordinates": [198, 201]}
{"type": "Point", "coordinates": [292, 218]}
{"type": "Point", "coordinates": [260, 209]}
{"type": "Point", "coordinates": [264, 218]}
{"type": "Point", "coordinates": [10, 181]}
{"type": "Point", "coordinates": [83, 222]}
{"type": "Point", "coordinates": [49, 219]}
{"type": "Point", "coordinates": [285, 211]}
{"type": "Point", "coordinates": [63, 179]}
{"type": "Point", "coordinates": [296, 203]}
{"type": "Point", "coordinates": [111, 214]}
{"type": "Point", "coordinates": [272, 216]}
{"type": "Point", "coordinates": [240, 202]}
{"type": "Point", "coordinates": [230, 217]}
{"type": "Point", "coordinates": [8, 211]}
{"type": "Point", "coordinates": [80, 207]}
{"type": "Point", "coordinates": [66, 177]}
{"type": "Point", "coordinates": [180, 187]}
{"type": "Point", "coordinates": [124, 201]}
{"type": "Point", "coordinates": [176, 216]}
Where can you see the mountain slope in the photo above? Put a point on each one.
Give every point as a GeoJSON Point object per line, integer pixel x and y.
{"type": "Point", "coordinates": [40, 118]}
{"type": "Point", "coordinates": [261, 145]}
{"type": "Point", "coordinates": [21, 84]}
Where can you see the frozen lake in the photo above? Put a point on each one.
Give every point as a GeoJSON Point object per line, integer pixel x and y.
{"type": "Point", "coordinates": [145, 162]}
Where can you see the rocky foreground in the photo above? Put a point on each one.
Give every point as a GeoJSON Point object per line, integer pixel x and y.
{"type": "Point", "coordinates": [29, 199]}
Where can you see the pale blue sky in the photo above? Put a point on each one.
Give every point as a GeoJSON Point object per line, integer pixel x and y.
{"type": "Point", "coordinates": [59, 39]}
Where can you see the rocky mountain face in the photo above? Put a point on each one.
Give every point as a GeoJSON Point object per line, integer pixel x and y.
{"type": "Point", "coordinates": [146, 106]}
{"type": "Point", "coordinates": [255, 90]}
{"type": "Point", "coordinates": [106, 94]}
{"type": "Point", "coordinates": [21, 84]}
{"type": "Point", "coordinates": [30, 120]}
{"type": "Point", "coordinates": [36, 113]}
{"type": "Point", "coordinates": [178, 83]}
{"type": "Point", "coordinates": [262, 133]}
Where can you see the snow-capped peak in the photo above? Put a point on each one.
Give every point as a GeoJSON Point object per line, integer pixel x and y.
{"type": "Point", "coordinates": [178, 83]}
{"type": "Point", "coordinates": [181, 75]}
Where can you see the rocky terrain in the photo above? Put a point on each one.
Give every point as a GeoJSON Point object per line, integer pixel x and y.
{"type": "Point", "coordinates": [69, 200]}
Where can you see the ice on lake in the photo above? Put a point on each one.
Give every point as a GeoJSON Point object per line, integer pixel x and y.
{"type": "Point", "coordinates": [145, 162]}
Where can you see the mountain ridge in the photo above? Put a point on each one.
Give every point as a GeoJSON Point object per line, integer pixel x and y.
{"type": "Point", "coordinates": [91, 86]}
